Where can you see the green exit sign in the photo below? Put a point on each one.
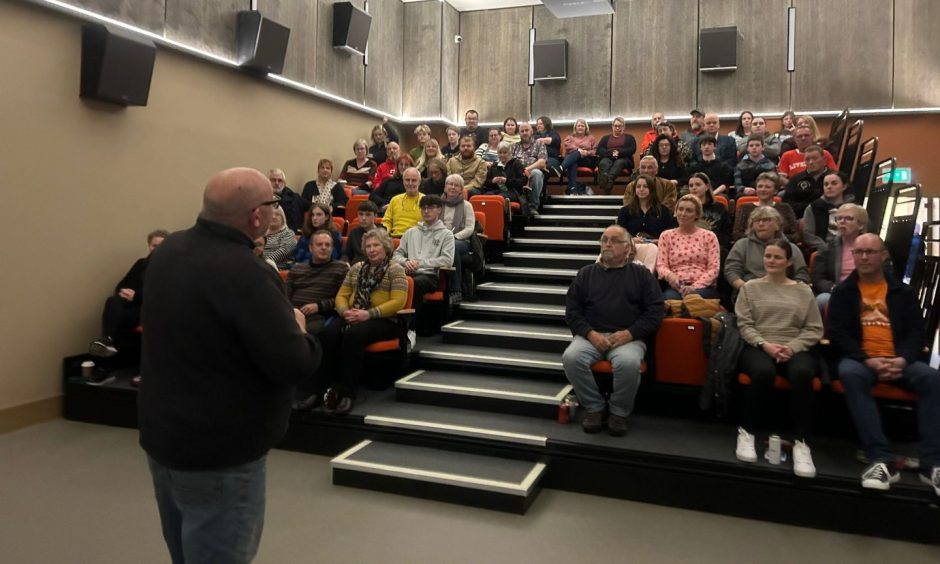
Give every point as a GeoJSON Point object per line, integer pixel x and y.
{"type": "Point", "coordinates": [901, 176]}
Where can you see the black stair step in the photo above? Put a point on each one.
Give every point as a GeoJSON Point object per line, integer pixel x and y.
{"type": "Point", "coordinates": [583, 220]}
{"type": "Point", "coordinates": [569, 232]}
{"type": "Point", "coordinates": [513, 311]}
{"type": "Point", "coordinates": [586, 200]}
{"type": "Point", "coordinates": [551, 244]}
{"type": "Point", "coordinates": [468, 479]}
{"type": "Point", "coordinates": [485, 392]}
{"type": "Point", "coordinates": [505, 273]}
{"type": "Point", "coordinates": [520, 292]}
{"type": "Point", "coordinates": [508, 335]}
{"type": "Point", "coordinates": [605, 210]}
{"type": "Point", "coordinates": [546, 365]}
{"type": "Point", "coordinates": [571, 261]}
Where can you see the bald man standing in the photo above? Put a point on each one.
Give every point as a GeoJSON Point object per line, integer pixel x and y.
{"type": "Point", "coordinates": [222, 351]}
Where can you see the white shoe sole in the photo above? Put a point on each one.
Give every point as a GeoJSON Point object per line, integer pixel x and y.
{"type": "Point", "coordinates": [927, 481]}
{"type": "Point", "coordinates": [804, 474]}
{"type": "Point", "coordinates": [744, 458]}
{"type": "Point", "coordinates": [881, 486]}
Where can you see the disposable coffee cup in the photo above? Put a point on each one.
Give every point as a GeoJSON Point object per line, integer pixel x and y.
{"type": "Point", "coordinates": [87, 368]}
{"type": "Point", "coordinates": [341, 181]}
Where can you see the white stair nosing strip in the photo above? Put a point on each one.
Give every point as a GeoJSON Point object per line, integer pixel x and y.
{"type": "Point", "coordinates": [409, 377]}
{"type": "Point", "coordinates": [520, 489]}
{"type": "Point", "coordinates": [537, 470]}
{"type": "Point", "coordinates": [573, 217]}
{"type": "Point", "coordinates": [549, 256]}
{"type": "Point", "coordinates": [513, 308]}
{"type": "Point", "coordinates": [351, 451]}
{"type": "Point", "coordinates": [462, 430]}
{"type": "Point", "coordinates": [509, 287]}
{"type": "Point", "coordinates": [569, 229]}
{"type": "Point", "coordinates": [533, 270]}
{"type": "Point", "coordinates": [581, 207]}
{"type": "Point", "coordinates": [564, 392]}
{"type": "Point", "coordinates": [570, 242]}
{"type": "Point", "coordinates": [479, 392]}
{"type": "Point", "coordinates": [509, 332]}
{"type": "Point", "coordinates": [498, 359]}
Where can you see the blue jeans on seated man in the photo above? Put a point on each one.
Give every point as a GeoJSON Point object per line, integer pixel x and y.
{"type": "Point", "coordinates": [707, 293]}
{"type": "Point", "coordinates": [625, 360]}
{"type": "Point", "coordinates": [536, 181]}
{"type": "Point", "coordinates": [570, 164]}
{"type": "Point", "coordinates": [920, 378]}
{"type": "Point", "coordinates": [211, 516]}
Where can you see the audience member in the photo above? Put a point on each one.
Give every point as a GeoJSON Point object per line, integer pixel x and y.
{"type": "Point", "coordinates": [392, 185]}
{"type": "Point", "coordinates": [389, 167]}
{"type": "Point", "coordinates": [423, 135]}
{"type": "Point", "coordinates": [793, 161]}
{"type": "Point", "coordinates": [780, 323]}
{"type": "Point", "coordinates": [725, 146]}
{"type": "Point", "coordinates": [768, 184]}
{"type": "Point", "coordinates": [715, 216]}
{"type": "Point", "coordinates": [373, 291]}
{"type": "Point", "coordinates": [318, 219]}
{"type": "Point", "coordinates": [696, 127]}
{"type": "Point", "coordinates": [707, 162]}
{"type": "Point", "coordinates": [644, 217]}
{"type": "Point", "coordinates": [652, 132]}
{"type": "Point", "coordinates": [472, 120]}
{"type": "Point", "coordinates": [366, 215]}
{"type": "Point", "coordinates": [312, 285]}
{"type": "Point", "coordinates": [487, 151]}
{"type": "Point", "coordinates": [453, 143]}
{"type": "Point", "coordinates": [665, 189]}
{"type": "Point", "coordinates": [434, 183]}
{"type": "Point", "coordinates": [432, 152]}
{"type": "Point", "coordinates": [547, 136]}
{"type": "Point", "coordinates": [689, 257]}
{"type": "Point", "coordinates": [511, 130]}
{"type": "Point", "coordinates": [402, 213]}
{"type": "Point", "coordinates": [533, 156]}
{"type": "Point", "coordinates": [259, 252]}
{"type": "Point", "coordinates": [771, 140]}
{"type": "Point", "coordinates": [292, 204]}
{"type": "Point", "coordinates": [746, 259]}
{"type": "Point", "coordinates": [876, 328]}
{"type": "Point", "coordinates": [807, 185]}
{"type": "Point", "coordinates": [683, 149]}
{"type": "Point", "coordinates": [818, 138]}
{"type": "Point", "coordinates": [459, 219]}
{"type": "Point", "coordinates": [611, 308]}
{"type": "Point", "coordinates": [616, 155]}
{"type": "Point", "coordinates": [667, 159]}
{"type": "Point", "coordinates": [506, 178]}
{"type": "Point", "coordinates": [358, 170]}
{"type": "Point", "coordinates": [835, 262]}
{"type": "Point", "coordinates": [382, 135]}
{"type": "Point", "coordinates": [121, 314]}
{"type": "Point", "coordinates": [819, 218]}
{"type": "Point", "coordinates": [324, 190]}
{"type": "Point", "coordinates": [580, 148]}
{"type": "Point", "coordinates": [742, 132]}
{"type": "Point", "coordinates": [752, 164]}
{"type": "Point", "coordinates": [469, 166]}
{"type": "Point", "coordinates": [280, 240]}
{"type": "Point", "coordinates": [787, 125]}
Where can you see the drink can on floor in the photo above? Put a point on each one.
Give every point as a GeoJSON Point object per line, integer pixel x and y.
{"type": "Point", "coordinates": [773, 449]}
{"type": "Point", "coordinates": [572, 402]}
{"type": "Point", "coordinates": [563, 412]}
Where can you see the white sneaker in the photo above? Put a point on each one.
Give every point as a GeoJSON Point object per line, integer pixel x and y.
{"type": "Point", "coordinates": [933, 479]}
{"type": "Point", "coordinates": [803, 460]}
{"type": "Point", "coordinates": [412, 340]}
{"type": "Point", "coordinates": [745, 450]}
{"type": "Point", "coordinates": [879, 477]}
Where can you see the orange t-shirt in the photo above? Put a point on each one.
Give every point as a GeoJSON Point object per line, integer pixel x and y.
{"type": "Point", "coordinates": [877, 340]}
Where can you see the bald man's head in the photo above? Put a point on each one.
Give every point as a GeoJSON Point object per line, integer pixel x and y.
{"type": "Point", "coordinates": [240, 198]}
{"type": "Point", "coordinates": [712, 123]}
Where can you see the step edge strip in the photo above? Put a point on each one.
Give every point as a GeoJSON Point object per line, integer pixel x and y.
{"type": "Point", "coordinates": [511, 309]}
{"type": "Point", "coordinates": [409, 377]}
{"type": "Point", "coordinates": [510, 488]}
{"type": "Point", "coordinates": [508, 332]}
{"type": "Point", "coordinates": [351, 450]}
{"type": "Point", "coordinates": [550, 256]}
{"type": "Point", "coordinates": [500, 360]}
{"type": "Point", "coordinates": [463, 430]}
{"type": "Point", "coordinates": [506, 287]}
{"type": "Point", "coordinates": [479, 392]}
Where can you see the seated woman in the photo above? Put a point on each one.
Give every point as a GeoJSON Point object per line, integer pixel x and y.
{"type": "Point", "coordinates": [715, 216]}
{"type": "Point", "coordinates": [487, 151]}
{"type": "Point", "coordinates": [459, 219]}
{"type": "Point", "coordinates": [742, 131]}
{"type": "Point", "coordinates": [767, 186]}
{"type": "Point", "coordinates": [432, 152]}
{"type": "Point", "coordinates": [279, 240]}
{"type": "Point", "coordinates": [787, 126]}
{"type": "Point", "coordinates": [507, 177]}
{"type": "Point", "coordinates": [780, 323]}
{"type": "Point", "coordinates": [382, 135]}
{"type": "Point", "coordinates": [318, 218]}
{"type": "Point", "coordinates": [689, 257]}
{"type": "Point", "coordinates": [423, 134]}
{"type": "Point", "coordinates": [453, 143]}
{"type": "Point", "coordinates": [434, 183]}
{"type": "Point", "coordinates": [746, 259]}
{"type": "Point", "coordinates": [835, 261]}
{"type": "Point", "coordinates": [580, 151]}
{"type": "Point", "coordinates": [511, 131]}
{"type": "Point", "coordinates": [358, 170]}
{"type": "Point", "coordinates": [546, 135]}
{"type": "Point", "coordinates": [819, 218]}
{"type": "Point", "coordinates": [325, 190]}
{"type": "Point", "coordinates": [391, 186]}
{"type": "Point", "coordinates": [667, 157]}
{"type": "Point", "coordinates": [372, 293]}
{"type": "Point", "coordinates": [644, 217]}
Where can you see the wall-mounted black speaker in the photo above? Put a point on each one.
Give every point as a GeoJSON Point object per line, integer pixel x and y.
{"type": "Point", "coordinates": [718, 49]}
{"type": "Point", "coordinates": [350, 28]}
{"type": "Point", "coordinates": [117, 65]}
{"type": "Point", "coordinates": [262, 43]}
{"type": "Point", "coordinates": [550, 59]}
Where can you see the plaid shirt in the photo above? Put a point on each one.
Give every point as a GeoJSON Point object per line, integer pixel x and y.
{"type": "Point", "coordinates": [528, 154]}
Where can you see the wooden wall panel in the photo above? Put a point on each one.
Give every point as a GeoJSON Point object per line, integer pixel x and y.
{"type": "Point", "coordinates": [146, 14]}
{"type": "Point", "coordinates": [386, 56]}
{"type": "Point", "coordinates": [843, 54]}
{"type": "Point", "coordinates": [301, 18]}
{"type": "Point", "coordinates": [916, 54]}
{"type": "Point", "coordinates": [655, 57]}
{"type": "Point", "coordinates": [421, 77]}
{"type": "Point", "coordinates": [209, 26]}
{"type": "Point", "coordinates": [586, 92]}
{"type": "Point", "coordinates": [761, 82]}
{"type": "Point", "coordinates": [450, 62]}
{"type": "Point", "coordinates": [494, 63]}
{"type": "Point", "coordinates": [337, 71]}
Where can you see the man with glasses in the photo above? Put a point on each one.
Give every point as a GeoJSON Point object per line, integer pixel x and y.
{"type": "Point", "coordinates": [222, 351]}
{"type": "Point", "coordinates": [876, 328]}
{"type": "Point", "coordinates": [294, 206]}
{"type": "Point", "coordinates": [616, 154]}
{"type": "Point", "coordinates": [612, 306]}
{"type": "Point", "coordinates": [794, 161]}
{"type": "Point", "coordinates": [533, 157]}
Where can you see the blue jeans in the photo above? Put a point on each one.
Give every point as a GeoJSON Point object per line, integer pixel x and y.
{"type": "Point", "coordinates": [536, 181]}
{"type": "Point", "coordinates": [707, 293]}
{"type": "Point", "coordinates": [360, 192]}
{"type": "Point", "coordinates": [211, 516]}
{"type": "Point", "coordinates": [918, 377]}
{"type": "Point", "coordinates": [570, 164]}
{"type": "Point", "coordinates": [625, 360]}
{"type": "Point", "coordinates": [461, 247]}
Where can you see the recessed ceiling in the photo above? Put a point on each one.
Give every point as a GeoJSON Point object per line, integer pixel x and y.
{"type": "Point", "coordinates": [471, 5]}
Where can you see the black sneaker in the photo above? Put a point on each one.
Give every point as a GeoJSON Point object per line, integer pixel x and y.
{"type": "Point", "coordinates": [879, 477]}
{"type": "Point", "coordinates": [593, 422]}
{"type": "Point", "coordinates": [932, 479]}
{"type": "Point", "coordinates": [616, 425]}
{"type": "Point", "coordinates": [102, 348]}
{"type": "Point", "coordinates": [99, 377]}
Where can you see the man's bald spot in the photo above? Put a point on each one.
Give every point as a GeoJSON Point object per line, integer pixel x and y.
{"type": "Point", "coordinates": [391, 144]}
{"type": "Point", "coordinates": [711, 115]}
{"type": "Point", "coordinates": [411, 171]}
{"type": "Point", "coordinates": [870, 238]}
{"type": "Point", "coordinates": [233, 192]}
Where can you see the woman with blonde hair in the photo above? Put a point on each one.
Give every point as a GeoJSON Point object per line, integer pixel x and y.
{"type": "Point", "coordinates": [423, 134]}
{"type": "Point", "coordinates": [279, 240]}
{"type": "Point", "coordinates": [689, 257]}
{"type": "Point", "coordinates": [580, 149]}
{"type": "Point", "coordinates": [746, 259]}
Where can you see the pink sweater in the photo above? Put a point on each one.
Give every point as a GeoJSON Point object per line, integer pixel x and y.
{"type": "Point", "coordinates": [690, 260]}
{"type": "Point", "coordinates": [588, 143]}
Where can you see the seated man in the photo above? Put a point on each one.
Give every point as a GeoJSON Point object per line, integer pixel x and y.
{"type": "Point", "coordinates": [122, 310]}
{"type": "Point", "coordinates": [650, 135]}
{"type": "Point", "coordinates": [806, 186]}
{"type": "Point", "coordinates": [876, 328]}
{"type": "Point", "coordinates": [471, 167]}
{"type": "Point", "coordinates": [717, 170]}
{"type": "Point", "coordinates": [403, 211]}
{"type": "Point", "coordinates": [472, 120]}
{"type": "Point", "coordinates": [533, 157]}
{"type": "Point", "coordinates": [612, 306]}
{"type": "Point", "coordinates": [793, 161]}
{"type": "Point", "coordinates": [665, 189]}
{"type": "Point", "coordinates": [387, 168]}
{"type": "Point", "coordinates": [426, 248]}
{"type": "Point", "coordinates": [312, 285]}
{"type": "Point", "coordinates": [293, 205]}
{"type": "Point", "coordinates": [725, 147]}
{"type": "Point", "coordinates": [751, 165]}
{"type": "Point", "coordinates": [367, 213]}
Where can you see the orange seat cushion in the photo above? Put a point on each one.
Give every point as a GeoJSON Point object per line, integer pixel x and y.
{"type": "Point", "coordinates": [882, 391]}
{"type": "Point", "coordinates": [780, 382]}
{"type": "Point", "coordinates": [384, 346]}
{"type": "Point", "coordinates": [604, 367]}
{"type": "Point", "coordinates": [437, 296]}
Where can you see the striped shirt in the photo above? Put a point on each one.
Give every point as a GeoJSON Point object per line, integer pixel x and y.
{"type": "Point", "coordinates": [312, 283]}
